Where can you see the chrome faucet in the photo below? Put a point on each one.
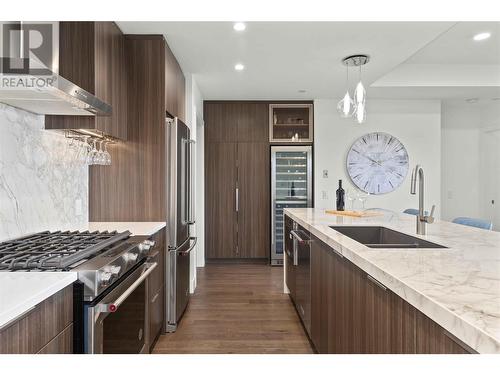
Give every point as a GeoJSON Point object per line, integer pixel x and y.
{"type": "Point", "coordinates": [418, 173]}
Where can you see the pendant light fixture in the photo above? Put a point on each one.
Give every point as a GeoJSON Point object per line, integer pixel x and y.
{"type": "Point", "coordinates": [359, 101]}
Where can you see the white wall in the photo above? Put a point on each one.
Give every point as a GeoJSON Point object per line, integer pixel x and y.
{"type": "Point", "coordinates": [416, 123]}
{"type": "Point", "coordinates": [460, 161]}
{"type": "Point", "coordinates": [42, 186]}
{"type": "Point", "coordinates": [194, 119]}
{"type": "Point", "coordinates": [471, 160]}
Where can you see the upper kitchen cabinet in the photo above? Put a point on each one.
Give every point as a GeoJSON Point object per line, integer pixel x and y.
{"type": "Point", "coordinates": [235, 121]}
{"type": "Point", "coordinates": [175, 86]}
{"type": "Point", "coordinates": [92, 55]}
{"type": "Point", "coordinates": [291, 123]}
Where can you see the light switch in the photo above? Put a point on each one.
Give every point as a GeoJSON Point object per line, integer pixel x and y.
{"type": "Point", "coordinates": [325, 173]}
{"type": "Point", "coordinates": [449, 194]}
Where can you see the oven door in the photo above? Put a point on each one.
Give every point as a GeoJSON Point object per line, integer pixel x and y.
{"type": "Point", "coordinates": [118, 323]}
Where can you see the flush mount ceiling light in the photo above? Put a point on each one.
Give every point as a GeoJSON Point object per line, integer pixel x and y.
{"type": "Point", "coordinates": [239, 26]}
{"type": "Point", "coordinates": [239, 67]}
{"type": "Point", "coordinates": [481, 36]}
{"type": "Point", "coordinates": [302, 91]}
{"type": "Point", "coordinates": [348, 107]}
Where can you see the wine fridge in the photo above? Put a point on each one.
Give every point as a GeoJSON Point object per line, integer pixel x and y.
{"type": "Point", "coordinates": [291, 186]}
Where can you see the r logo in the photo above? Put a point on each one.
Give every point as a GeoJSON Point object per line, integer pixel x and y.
{"type": "Point", "coordinates": [27, 48]}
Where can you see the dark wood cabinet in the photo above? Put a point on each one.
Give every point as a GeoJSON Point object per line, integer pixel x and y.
{"type": "Point", "coordinates": [92, 55]}
{"type": "Point", "coordinates": [61, 344]}
{"type": "Point", "coordinates": [431, 338]}
{"type": "Point", "coordinates": [237, 180]}
{"type": "Point", "coordinates": [235, 121]}
{"type": "Point", "coordinates": [237, 208]}
{"type": "Point", "coordinates": [137, 171]}
{"type": "Point", "coordinates": [45, 329]}
{"type": "Point", "coordinates": [253, 201]}
{"type": "Point", "coordinates": [175, 86]}
{"type": "Point", "coordinates": [220, 197]}
{"type": "Point", "coordinates": [352, 312]}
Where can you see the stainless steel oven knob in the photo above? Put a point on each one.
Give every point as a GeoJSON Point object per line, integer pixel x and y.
{"type": "Point", "coordinates": [104, 277]}
{"type": "Point", "coordinates": [115, 270]}
{"type": "Point", "coordinates": [144, 248]}
{"type": "Point", "coordinates": [130, 257]}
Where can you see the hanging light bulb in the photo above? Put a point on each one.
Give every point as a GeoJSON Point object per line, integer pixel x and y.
{"type": "Point", "coordinates": [360, 93]}
{"type": "Point", "coordinates": [360, 113]}
{"type": "Point", "coordinates": [346, 107]}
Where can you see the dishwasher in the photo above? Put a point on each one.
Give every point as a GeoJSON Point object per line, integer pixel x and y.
{"type": "Point", "coordinates": [302, 265]}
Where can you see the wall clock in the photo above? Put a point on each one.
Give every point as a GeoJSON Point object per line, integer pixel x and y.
{"type": "Point", "coordinates": [377, 163]}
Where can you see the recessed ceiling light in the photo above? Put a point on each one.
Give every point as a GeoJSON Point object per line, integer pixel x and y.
{"type": "Point", "coordinates": [239, 26]}
{"type": "Point", "coordinates": [481, 36]}
{"type": "Point", "coordinates": [239, 67]}
{"type": "Point", "coordinates": [472, 100]}
{"type": "Point", "coordinates": [302, 91]}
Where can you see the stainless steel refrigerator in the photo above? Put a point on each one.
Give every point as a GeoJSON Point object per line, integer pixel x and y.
{"type": "Point", "coordinates": [180, 216]}
{"type": "Point", "coordinates": [291, 186]}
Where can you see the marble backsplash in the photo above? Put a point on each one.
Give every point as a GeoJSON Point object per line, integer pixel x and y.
{"type": "Point", "coordinates": [42, 185]}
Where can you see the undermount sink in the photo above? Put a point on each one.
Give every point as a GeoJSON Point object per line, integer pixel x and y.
{"type": "Point", "coordinates": [385, 238]}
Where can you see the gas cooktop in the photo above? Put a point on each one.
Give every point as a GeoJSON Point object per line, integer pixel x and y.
{"type": "Point", "coordinates": [56, 251]}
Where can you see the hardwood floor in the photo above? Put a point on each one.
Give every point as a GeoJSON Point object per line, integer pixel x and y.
{"type": "Point", "coordinates": [238, 308]}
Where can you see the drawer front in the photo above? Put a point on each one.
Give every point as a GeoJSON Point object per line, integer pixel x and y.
{"type": "Point", "coordinates": [156, 314]}
{"type": "Point", "coordinates": [35, 330]}
{"type": "Point", "coordinates": [61, 344]}
{"type": "Point", "coordinates": [157, 277]}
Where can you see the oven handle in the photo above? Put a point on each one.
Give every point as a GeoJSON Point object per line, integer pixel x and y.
{"type": "Point", "coordinates": [113, 306]}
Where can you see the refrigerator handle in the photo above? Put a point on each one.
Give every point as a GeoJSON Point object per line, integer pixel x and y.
{"type": "Point", "coordinates": [237, 198]}
{"type": "Point", "coordinates": [190, 211]}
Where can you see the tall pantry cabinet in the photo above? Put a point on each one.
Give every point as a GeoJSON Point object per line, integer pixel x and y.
{"type": "Point", "coordinates": [237, 180]}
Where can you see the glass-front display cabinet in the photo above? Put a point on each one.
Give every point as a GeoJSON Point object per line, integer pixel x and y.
{"type": "Point", "coordinates": [290, 123]}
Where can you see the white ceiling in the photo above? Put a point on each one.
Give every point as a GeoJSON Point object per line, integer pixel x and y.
{"type": "Point", "coordinates": [281, 58]}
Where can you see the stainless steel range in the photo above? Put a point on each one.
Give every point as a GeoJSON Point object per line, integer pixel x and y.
{"type": "Point", "coordinates": [110, 295]}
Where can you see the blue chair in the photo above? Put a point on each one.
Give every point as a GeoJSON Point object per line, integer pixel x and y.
{"type": "Point", "coordinates": [414, 211]}
{"type": "Point", "coordinates": [471, 222]}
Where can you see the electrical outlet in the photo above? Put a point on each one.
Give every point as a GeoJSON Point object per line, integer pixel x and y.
{"type": "Point", "coordinates": [324, 194]}
{"type": "Point", "coordinates": [449, 194]}
{"type": "Point", "coordinates": [78, 207]}
{"type": "Point", "coordinates": [325, 173]}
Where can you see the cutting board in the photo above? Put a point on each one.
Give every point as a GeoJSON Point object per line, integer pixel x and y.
{"type": "Point", "coordinates": [354, 213]}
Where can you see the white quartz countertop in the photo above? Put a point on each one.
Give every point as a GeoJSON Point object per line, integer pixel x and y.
{"type": "Point", "coordinates": [21, 291]}
{"type": "Point", "coordinates": [137, 228]}
{"type": "Point", "coordinates": [457, 287]}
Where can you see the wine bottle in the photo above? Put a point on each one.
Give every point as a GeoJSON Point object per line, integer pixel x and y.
{"type": "Point", "coordinates": [340, 197]}
{"type": "Point", "coordinates": [292, 190]}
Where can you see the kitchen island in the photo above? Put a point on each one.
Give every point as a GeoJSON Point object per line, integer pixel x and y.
{"type": "Point", "coordinates": [457, 287]}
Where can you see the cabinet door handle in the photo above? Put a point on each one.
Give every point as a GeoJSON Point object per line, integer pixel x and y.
{"type": "Point", "coordinates": [237, 198]}
{"type": "Point", "coordinates": [376, 282]}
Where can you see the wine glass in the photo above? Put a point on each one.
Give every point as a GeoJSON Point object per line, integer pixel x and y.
{"type": "Point", "coordinates": [362, 196]}
{"type": "Point", "coordinates": [350, 197]}
{"type": "Point", "coordinates": [107, 155]}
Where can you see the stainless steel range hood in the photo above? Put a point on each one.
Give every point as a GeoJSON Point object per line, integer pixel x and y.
{"type": "Point", "coordinates": [29, 73]}
{"type": "Point", "coordinates": [60, 97]}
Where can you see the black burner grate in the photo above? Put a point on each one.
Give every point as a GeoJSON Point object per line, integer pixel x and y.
{"type": "Point", "coordinates": [54, 250]}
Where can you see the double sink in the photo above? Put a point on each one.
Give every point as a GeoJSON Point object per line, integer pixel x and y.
{"type": "Point", "coordinates": [384, 238]}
